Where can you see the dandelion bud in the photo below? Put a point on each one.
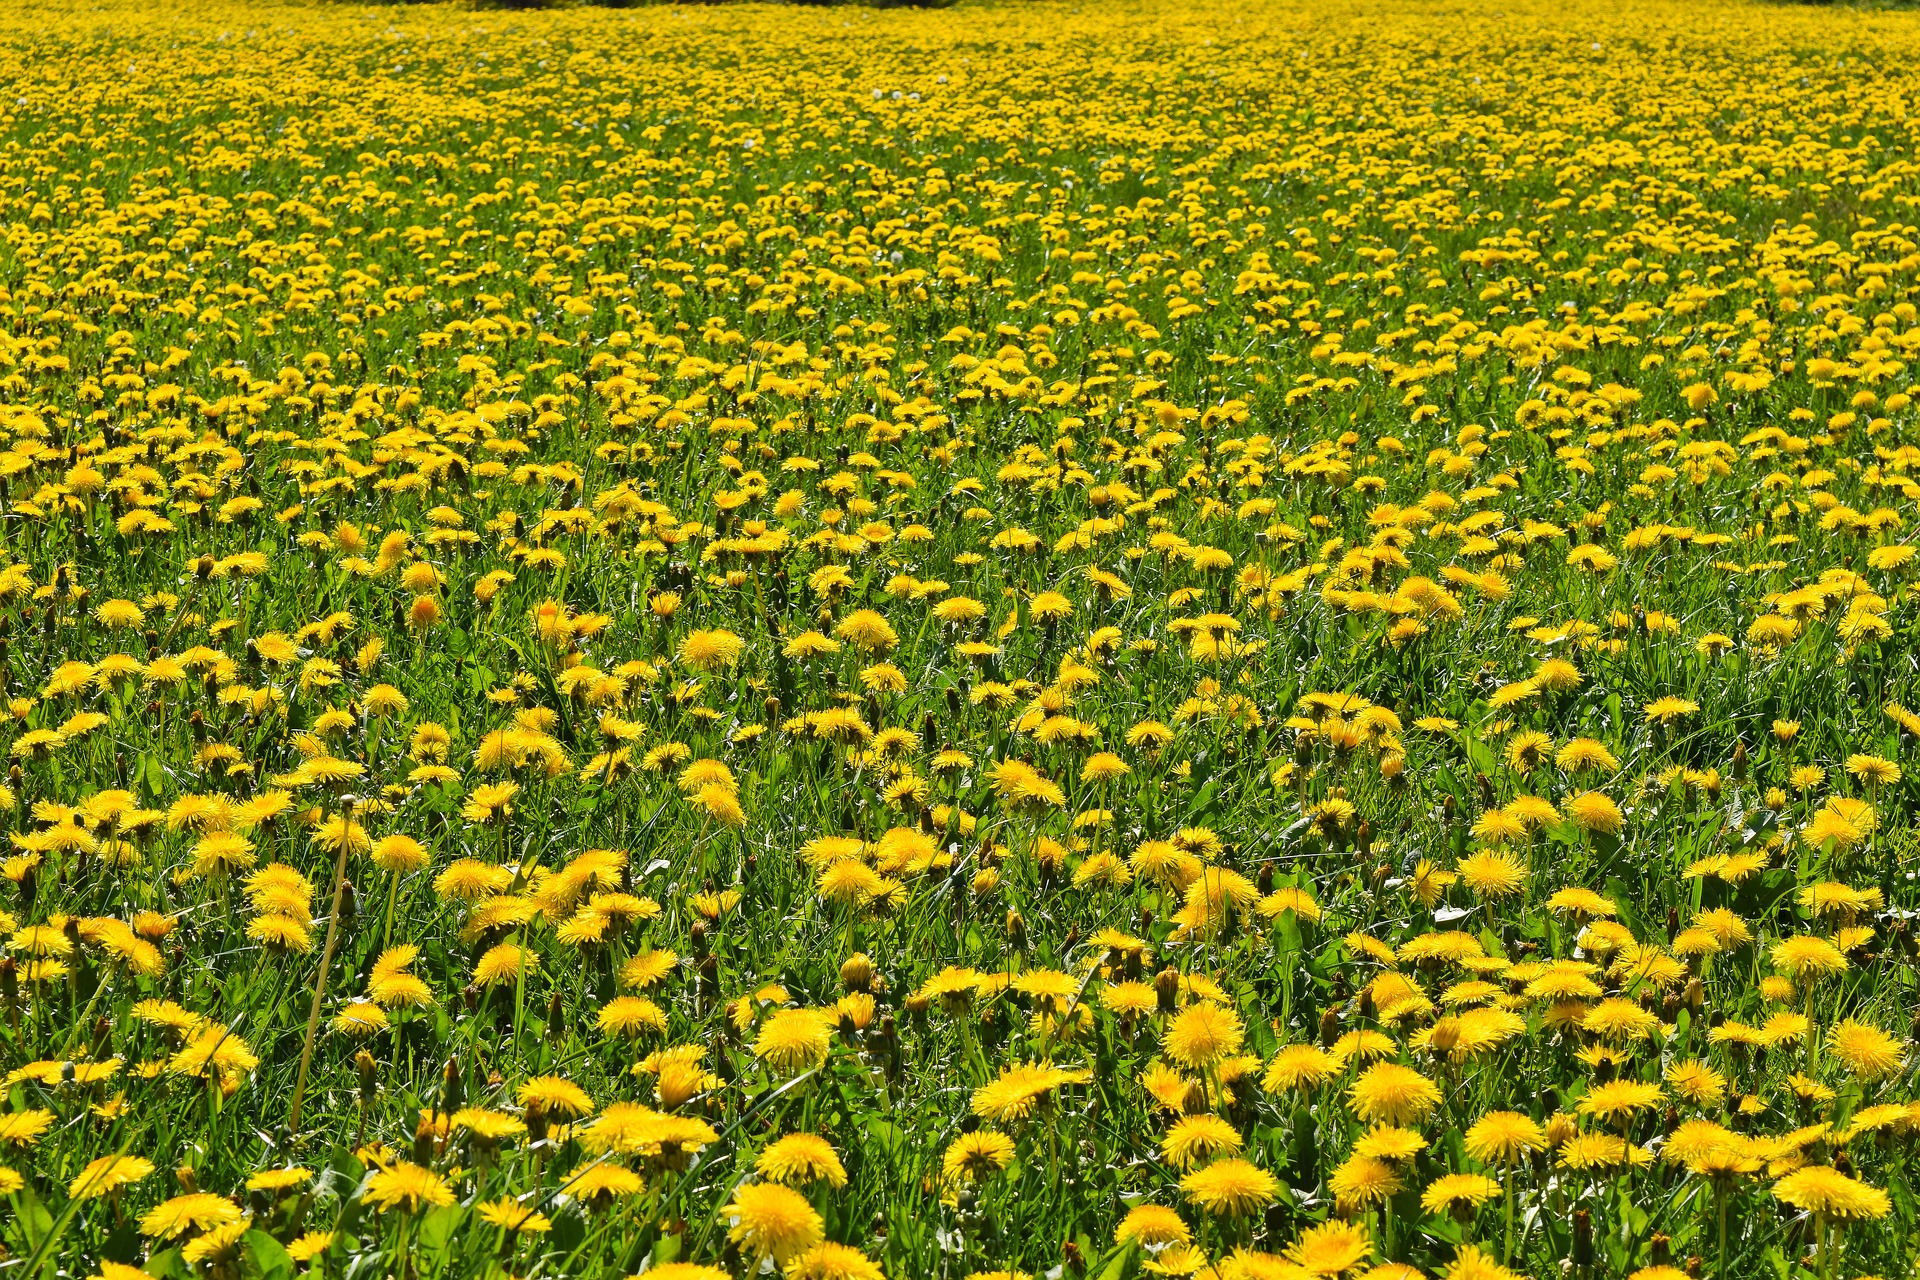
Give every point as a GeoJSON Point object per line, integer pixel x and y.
{"type": "Point", "coordinates": [1016, 931]}
{"type": "Point", "coordinates": [1740, 762]}
{"type": "Point", "coordinates": [1166, 987]}
{"type": "Point", "coordinates": [349, 902]}
{"type": "Point", "coordinates": [1696, 994]}
{"type": "Point", "coordinates": [699, 936]}
{"type": "Point", "coordinates": [856, 973]}
{"type": "Point", "coordinates": [364, 1064]}
{"type": "Point", "coordinates": [1364, 1007]}
{"type": "Point", "coordinates": [1265, 882]}
{"type": "Point", "coordinates": [709, 979]}
{"type": "Point", "coordinates": [1194, 1101]}
{"type": "Point", "coordinates": [556, 1017]}
{"type": "Point", "coordinates": [203, 568]}
{"type": "Point", "coordinates": [1582, 1238]}
{"type": "Point", "coordinates": [536, 1120]}
{"type": "Point", "coordinates": [1329, 1027]}
{"type": "Point", "coordinates": [453, 1091]}
{"type": "Point", "coordinates": [188, 1180]}
{"type": "Point", "coordinates": [423, 1140]}
{"type": "Point", "coordinates": [1363, 838]}
{"type": "Point", "coordinates": [915, 1004]}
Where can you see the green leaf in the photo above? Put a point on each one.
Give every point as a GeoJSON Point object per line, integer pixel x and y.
{"type": "Point", "coordinates": [436, 1230]}
{"type": "Point", "coordinates": [1206, 802]}
{"type": "Point", "coordinates": [35, 1222]}
{"type": "Point", "coordinates": [893, 1142]}
{"type": "Point", "coordinates": [667, 1248]}
{"type": "Point", "coordinates": [1480, 755]}
{"type": "Point", "coordinates": [169, 1266]}
{"type": "Point", "coordinates": [267, 1255]}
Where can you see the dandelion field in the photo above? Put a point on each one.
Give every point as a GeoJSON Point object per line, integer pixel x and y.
{"type": "Point", "coordinates": [1022, 642]}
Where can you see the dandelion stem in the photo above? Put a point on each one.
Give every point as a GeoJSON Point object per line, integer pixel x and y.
{"type": "Point", "coordinates": [393, 896]}
{"type": "Point", "coordinates": [1720, 1197]}
{"type": "Point", "coordinates": [1509, 1253]}
{"type": "Point", "coordinates": [320, 981]}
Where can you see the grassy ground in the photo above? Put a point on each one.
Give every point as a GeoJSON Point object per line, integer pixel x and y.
{"type": "Point", "coordinates": [1251, 640]}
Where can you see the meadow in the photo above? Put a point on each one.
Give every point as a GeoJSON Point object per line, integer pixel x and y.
{"type": "Point", "coordinates": [1034, 641]}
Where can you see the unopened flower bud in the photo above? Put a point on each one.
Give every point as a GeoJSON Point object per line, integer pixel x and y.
{"type": "Point", "coordinates": [1166, 986]}
{"type": "Point", "coordinates": [856, 972]}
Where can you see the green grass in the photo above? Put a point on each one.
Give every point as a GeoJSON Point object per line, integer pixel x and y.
{"type": "Point", "coordinates": [299, 279]}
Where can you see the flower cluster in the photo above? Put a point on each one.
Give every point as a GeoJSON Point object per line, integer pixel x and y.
{"type": "Point", "coordinates": [1246, 641]}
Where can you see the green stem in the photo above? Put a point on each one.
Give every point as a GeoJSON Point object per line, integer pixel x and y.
{"type": "Point", "coordinates": [393, 896]}
{"type": "Point", "coordinates": [320, 982]}
{"type": "Point", "coordinates": [1720, 1196]}
{"type": "Point", "coordinates": [1509, 1255]}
